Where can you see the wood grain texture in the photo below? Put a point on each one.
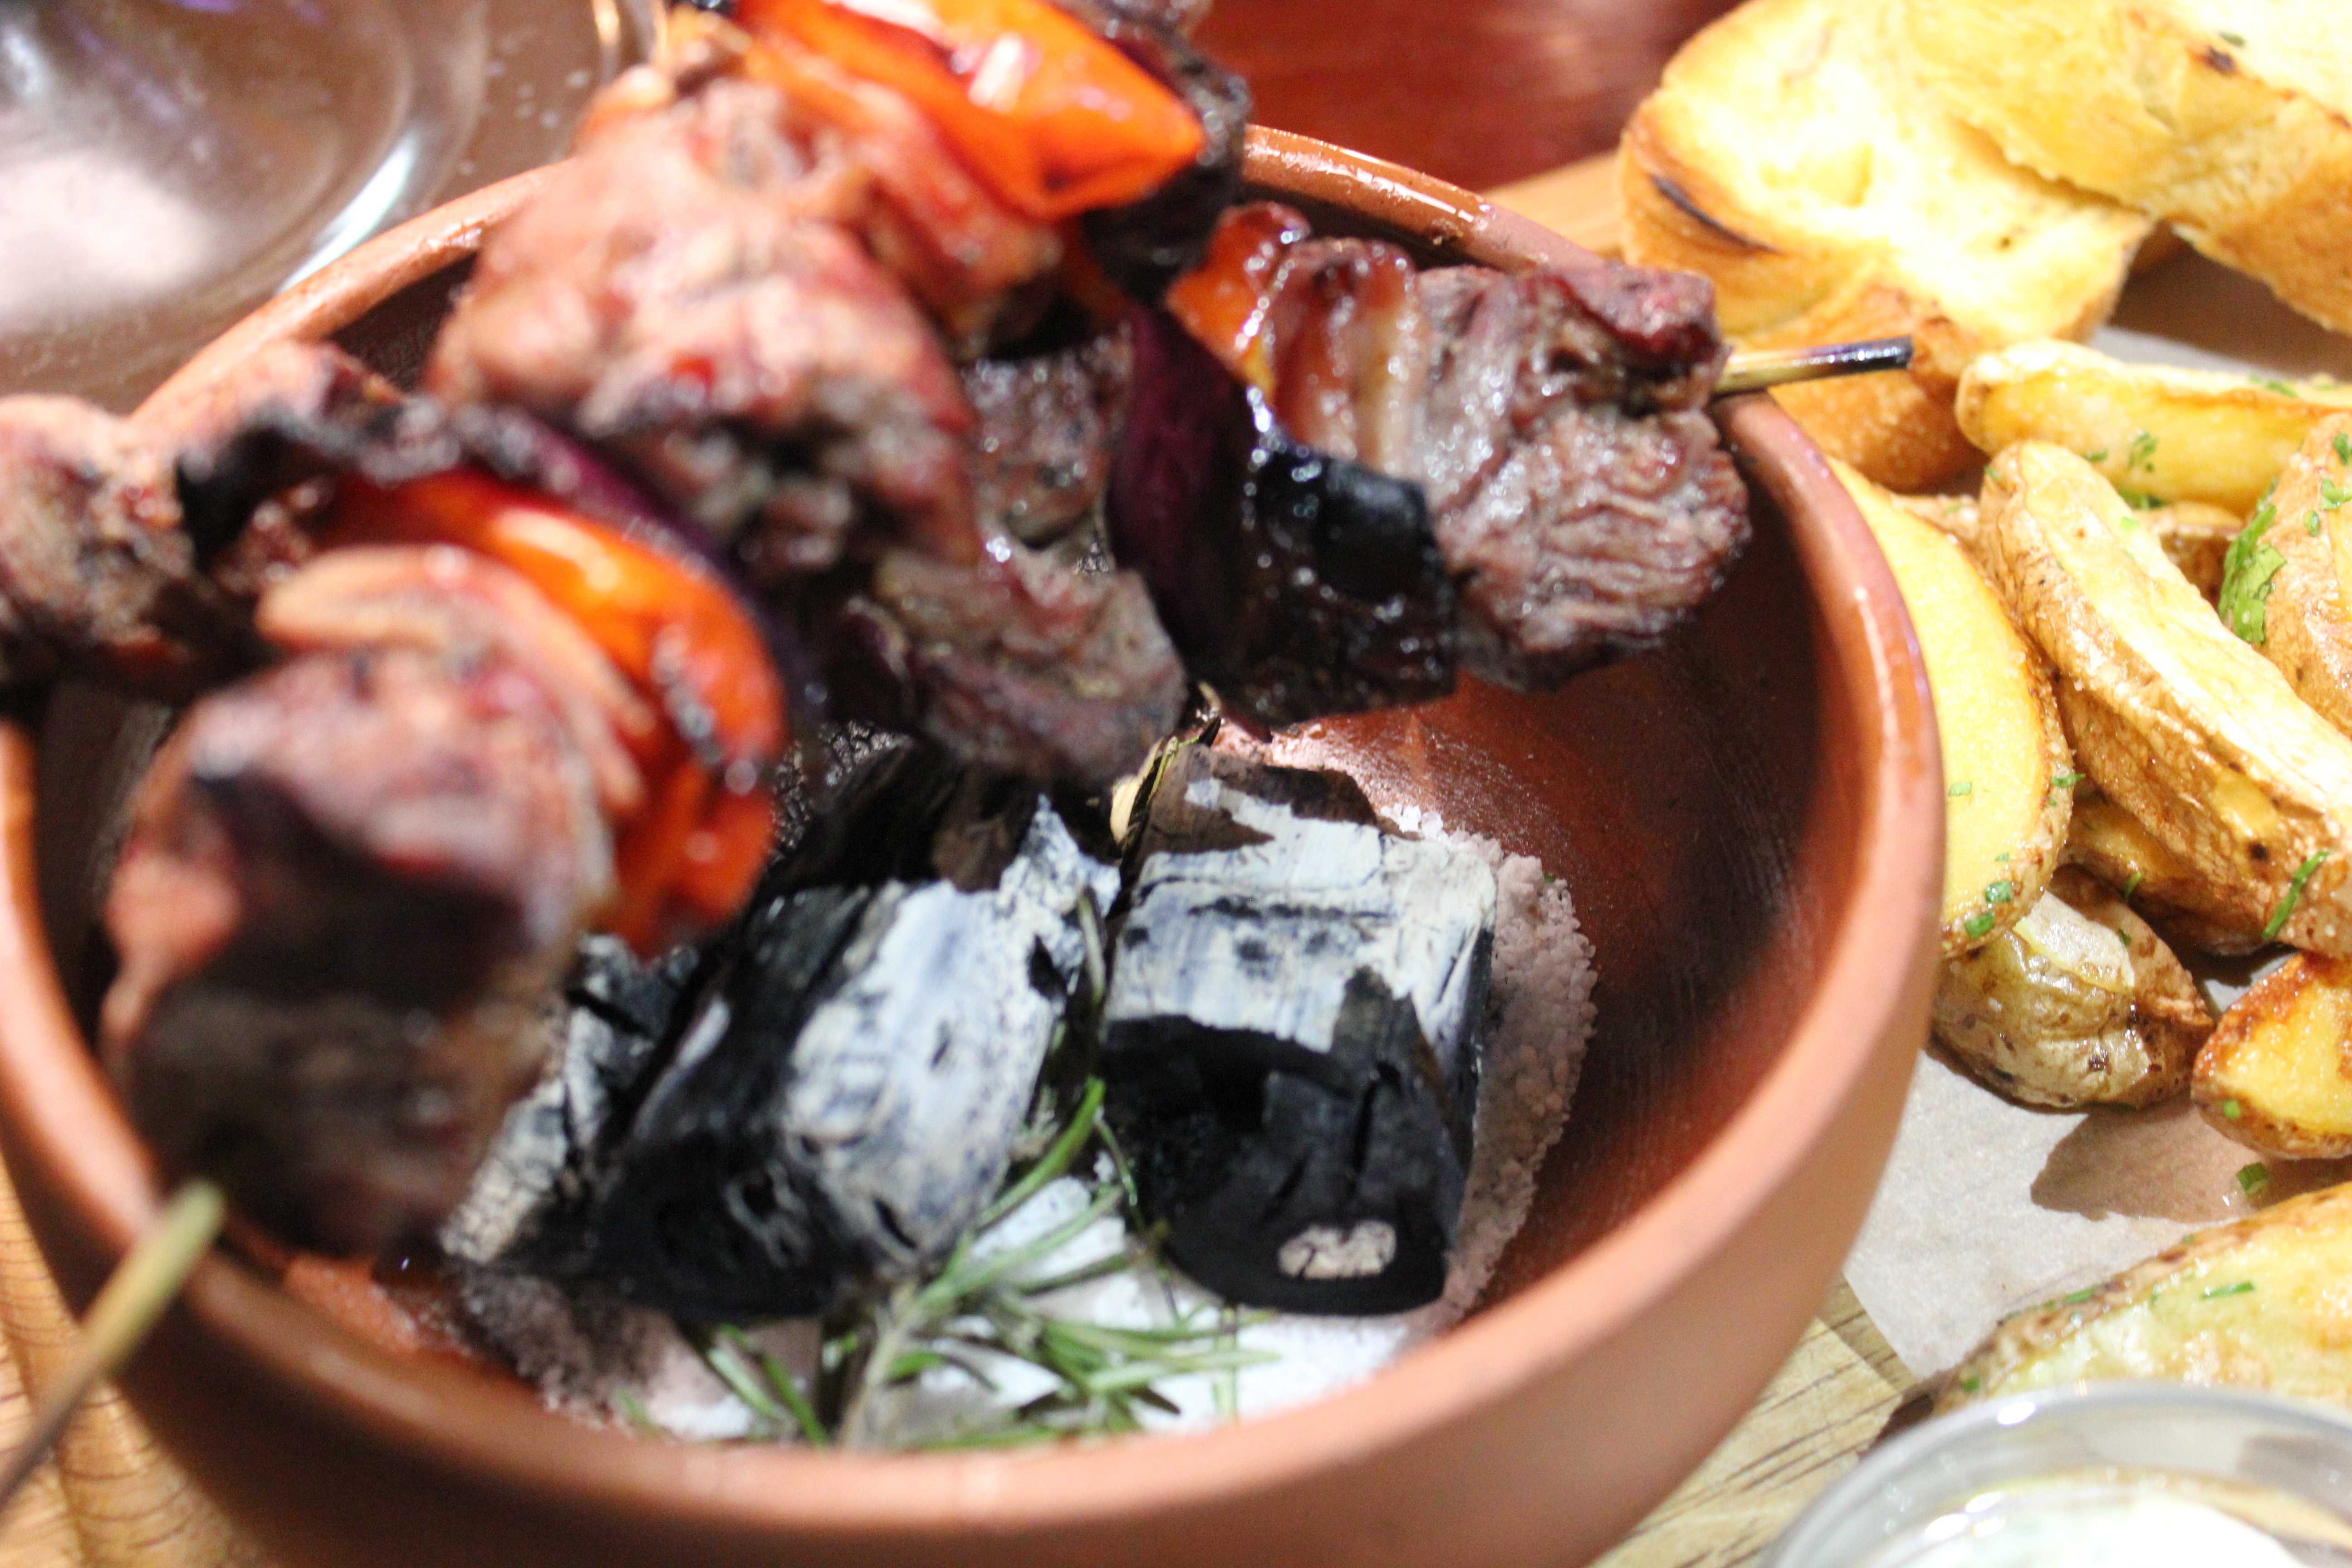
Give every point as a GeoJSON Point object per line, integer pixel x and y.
{"type": "Point", "coordinates": [1840, 1391]}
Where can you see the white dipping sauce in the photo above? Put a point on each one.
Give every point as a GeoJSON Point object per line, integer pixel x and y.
{"type": "Point", "coordinates": [2080, 1525]}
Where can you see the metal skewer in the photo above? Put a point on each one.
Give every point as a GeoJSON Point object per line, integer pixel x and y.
{"type": "Point", "coordinates": [141, 1287]}
{"type": "Point", "coordinates": [1760, 368]}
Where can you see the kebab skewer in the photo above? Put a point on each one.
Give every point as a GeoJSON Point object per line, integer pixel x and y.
{"type": "Point", "coordinates": [780, 290]}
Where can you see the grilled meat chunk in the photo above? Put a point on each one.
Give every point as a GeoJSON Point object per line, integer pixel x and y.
{"type": "Point", "coordinates": [1018, 664]}
{"type": "Point", "coordinates": [95, 575]}
{"type": "Point", "coordinates": [1575, 490]}
{"type": "Point", "coordinates": [1574, 478]}
{"type": "Point", "coordinates": [348, 883]}
{"type": "Point", "coordinates": [1047, 427]}
{"type": "Point", "coordinates": [684, 295]}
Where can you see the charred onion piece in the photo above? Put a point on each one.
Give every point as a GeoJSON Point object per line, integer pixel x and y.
{"type": "Point", "coordinates": [1146, 245]}
{"type": "Point", "coordinates": [673, 628]}
{"type": "Point", "coordinates": [1052, 118]}
{"type": "Point", "coordinates": [1295, 584]}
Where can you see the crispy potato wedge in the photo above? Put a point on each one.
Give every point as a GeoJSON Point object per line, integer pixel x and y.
{"type": "Point", "coordinates": [2115, 846]}
{"type": "Point", "coordinates": [2004, 824]}
{"type": "Point", "coordinates": [2259, 1303]}
{"type": "Point", "coordinates": [2173, 435]}
{"type": "Point", "coordinates": [2277, 1073]}
{"type": "Point", "coordinates": [2191, 731]}
{"type": "Point", "coordinates": [2079, 1004]}
{"type": "Point", "coordinates": [2196, 537]}
{"type": "Point", "coordinates": [2288, 593]}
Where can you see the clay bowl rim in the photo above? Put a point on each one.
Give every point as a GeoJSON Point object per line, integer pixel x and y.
{"type": "Point", "coordinates": [65, 1123]}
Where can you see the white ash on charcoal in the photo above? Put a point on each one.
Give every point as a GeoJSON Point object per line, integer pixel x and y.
{"type": "Point", "coordinates": [1540, 1018]}
{"type": "Point", "coordinates": [841, 1092]}
{"type": "Point", "coordinates": [600, 1361]}
{"type": "Point", "coordinates": [1290, 1038]}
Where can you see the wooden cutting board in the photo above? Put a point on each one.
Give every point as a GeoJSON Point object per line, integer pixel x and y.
{"type": "Point", "coordinates": [110, 1499]}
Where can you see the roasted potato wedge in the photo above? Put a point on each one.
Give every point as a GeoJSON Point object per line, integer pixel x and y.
{"type": "Point", "coordinates": [2196, 537]}
{"type": "Point", "coordinates": [2173, 435]}
{"type": "Point", "coordinates": [2115, 846]}
{"type": "Point", "coordinates": [2259, 1303]}
{"type": "Point", "coordinates": [2287, 590]}
{"type": "Point", "coordinates": [2191, 731]}
{"type": "Point", "coordinates": [2004, 824]}
{"type": "Point", "coordinates": [2079, 1004]}
{"type": "Point", "coordinates": [2277, 1073]}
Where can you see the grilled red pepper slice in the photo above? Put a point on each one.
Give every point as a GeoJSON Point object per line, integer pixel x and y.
{"type": "Point", "coordinates": [688, 859]}
{"type": "Point", "coordinates": [1051, 117]}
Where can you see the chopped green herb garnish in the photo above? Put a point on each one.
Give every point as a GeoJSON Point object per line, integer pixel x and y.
{"type": "Point", "coordinates": [2076, 1297]}
{"type": "Point", "coordinates": [2311, 524]}
{"type": "Point", "coordinates": [2232, 1111]}
{"type": "Point", "coordinates": [2125, 937]}
{"type": "Point", "coordinates": [2098, 456]}
{"type": "Point", "coordinates": [2003, 858]}
{"type": "Point", "coordinates": [2234, 39]}
{"type": "Point", "coordinates": [1979, 926]}
{"type": "Point", "coordinates": [2243, 1288]}
{"type": "Point", "coordinates": [2131, 883]}
{"type": "Point", "coordinates": [2273, 384]}
{"type": "Point", "coordinates": [2247, 574]}
{"type": "Point", "coordinates": [1971, 1385]}
{"type": "Point", "coordinates": [2065, 780]}
{"type": "Point", "coordinates": [2294, 895]}
{"type": "Point", "coordinates": [2253, 1178]}
{"type": "Point", "coordinates": [2342, 447]}
{"type": "Point", "coordinates": [2139, 501]}
{"type": "Point", "coordinates": [2001, 892]}
{"type": "Point", "coordinates": [2333, 494]}
{"type": "Point", "coordinates": [2141, 453]}
{"type": "Point", "coordinates": [1965, 786]}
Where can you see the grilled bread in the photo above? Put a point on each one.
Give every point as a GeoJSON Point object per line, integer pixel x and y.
{"type": "Point", "coordinates": [1790, 155]}
{"type": "Point", "coordinates": [2226, 116]}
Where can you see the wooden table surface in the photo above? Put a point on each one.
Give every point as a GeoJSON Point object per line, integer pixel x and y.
{"type": "Point", "coordinates": [1554, 81]}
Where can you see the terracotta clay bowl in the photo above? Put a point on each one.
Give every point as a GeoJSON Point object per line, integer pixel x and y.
{"type": "Point", "coordinates": [1750, 819]}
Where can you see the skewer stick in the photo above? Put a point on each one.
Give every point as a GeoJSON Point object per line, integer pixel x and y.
{"type": "Point", "coordinates": [1760, 368]}
{"type": "Point", "coordinates": [136, 1295]}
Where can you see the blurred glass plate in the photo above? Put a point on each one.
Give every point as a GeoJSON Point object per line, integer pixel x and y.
{"type": "Point", "coordinates": [167, 164]}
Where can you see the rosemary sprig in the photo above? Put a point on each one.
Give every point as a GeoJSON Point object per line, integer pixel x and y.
{"type": "Point", "coordinates": [982, 1307]}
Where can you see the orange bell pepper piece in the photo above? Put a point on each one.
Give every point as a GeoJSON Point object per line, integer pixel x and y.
{"type": "Point", "coordinates": [675, 630]}
{"type": "Point", "coordinates": [1053, 119]}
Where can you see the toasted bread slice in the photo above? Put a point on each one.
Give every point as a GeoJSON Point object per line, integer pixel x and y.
{"type": "Point", "coordinates": [2226, 116]}
{"type": "Point", "coordinates": [1791, 156]}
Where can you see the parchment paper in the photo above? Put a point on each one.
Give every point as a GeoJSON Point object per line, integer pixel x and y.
{"type": "Point", "coordinates": [1987, 1206]}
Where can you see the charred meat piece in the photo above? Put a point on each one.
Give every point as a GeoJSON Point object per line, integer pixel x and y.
{"type": "Point", "coordinates": [682, 294]}
{"type": "Point", "coordinates": [468, 610]}
{"type": "Point", "coordinates": [1574, 486]}
{"type": "Point", "coordinates": [347, 885]}
{"type": "Point", "coordinates": [96, 575]}
{"type": "Point", "coordinates": [259, 457]}
{"type": "Point", "coordinates": [843, 1093]}
{"type": "Point", "coordinates": [1047, 427]}
{"type": "Point", "coordinates": [1296, 583]}
{"type": "Point", "coordinates": [1291, 1037]}
{"type": "Point", "coordinates": [1018, 664]}
{"type": "Point", "coordinates": [1576, 481]}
